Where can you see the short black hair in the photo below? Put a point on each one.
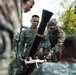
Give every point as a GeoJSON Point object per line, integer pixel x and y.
{"type": "Point", "coordinates": [35, 16]}
{"type": "Point", "coordinates": [69, 46]}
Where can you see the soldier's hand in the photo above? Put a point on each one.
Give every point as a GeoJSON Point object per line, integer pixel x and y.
{"type": "Point", "coordinates": [30, 58]}
{"type": "Point", "coordinates": [20, 57]}
{"type": "Point", "coordinates": [48, 56]}
{"type": "Point", "coordinates": [40, 52]}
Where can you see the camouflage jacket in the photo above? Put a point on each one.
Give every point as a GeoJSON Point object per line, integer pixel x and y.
{"type": "Point", "coordinates": [60, 68]}
{"type": "Point", "coordinates": [57, 38]}
{"type": "Point", "coordinates": [27, 36]}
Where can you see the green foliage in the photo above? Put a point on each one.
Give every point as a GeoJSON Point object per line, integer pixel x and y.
{"type": "Point", "coordinates": [68, 19]}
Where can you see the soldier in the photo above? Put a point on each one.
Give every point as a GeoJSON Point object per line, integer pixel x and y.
{"type": "Point", "coordinates": [67, 64]}
{"type": "Point", "coordinates": [56, 37]}
{"type": "Point", "coordinates": [10, 15]}
{"type": "Point", "coordinates": [27, 36]}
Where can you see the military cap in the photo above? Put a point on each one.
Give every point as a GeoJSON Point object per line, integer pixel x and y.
{"type": "Point", "coordinates": [52, 23]}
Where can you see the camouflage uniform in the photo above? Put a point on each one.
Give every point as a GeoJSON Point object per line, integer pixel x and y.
{"type": "Point", "coordinates": [27, 36]}
{"type": "Point", "coordinates": [14, 64]}
{"type": "Point", "coordinates": [5, 55]}
{"type": "Point", "coordinates": [60, 68]}
{"type": "Point", "coordinates": [56, 39]}
{"type": "Point", "coordinates": [10, 12]}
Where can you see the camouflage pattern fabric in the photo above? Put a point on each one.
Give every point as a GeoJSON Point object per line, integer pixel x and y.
{"type": "Point", "coordinates": [5, 57]}
{"type": "Point", "coordinates": [14, 63]}
{"type": "Point", "coordinates": [4, 67]}
{"type": "Point", "coordinates": [56, 39]}
{"type": "Point", "coordinates": [27, 36]}
{"type": "Point", "coordinates": [60, 68]}
{"type": "Point", "coordinates": [10, 15]}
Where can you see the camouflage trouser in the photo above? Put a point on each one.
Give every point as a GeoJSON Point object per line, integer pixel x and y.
{"type": "Point", "coordinates": [15, 67]}
{"type": "Point", "coordinates": [15, 70]}
{"type": "Point", "coordinates": [12, 68]}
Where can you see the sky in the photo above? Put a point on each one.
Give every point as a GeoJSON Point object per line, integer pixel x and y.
{"type": "Point", "coordinates": [50, 5]}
